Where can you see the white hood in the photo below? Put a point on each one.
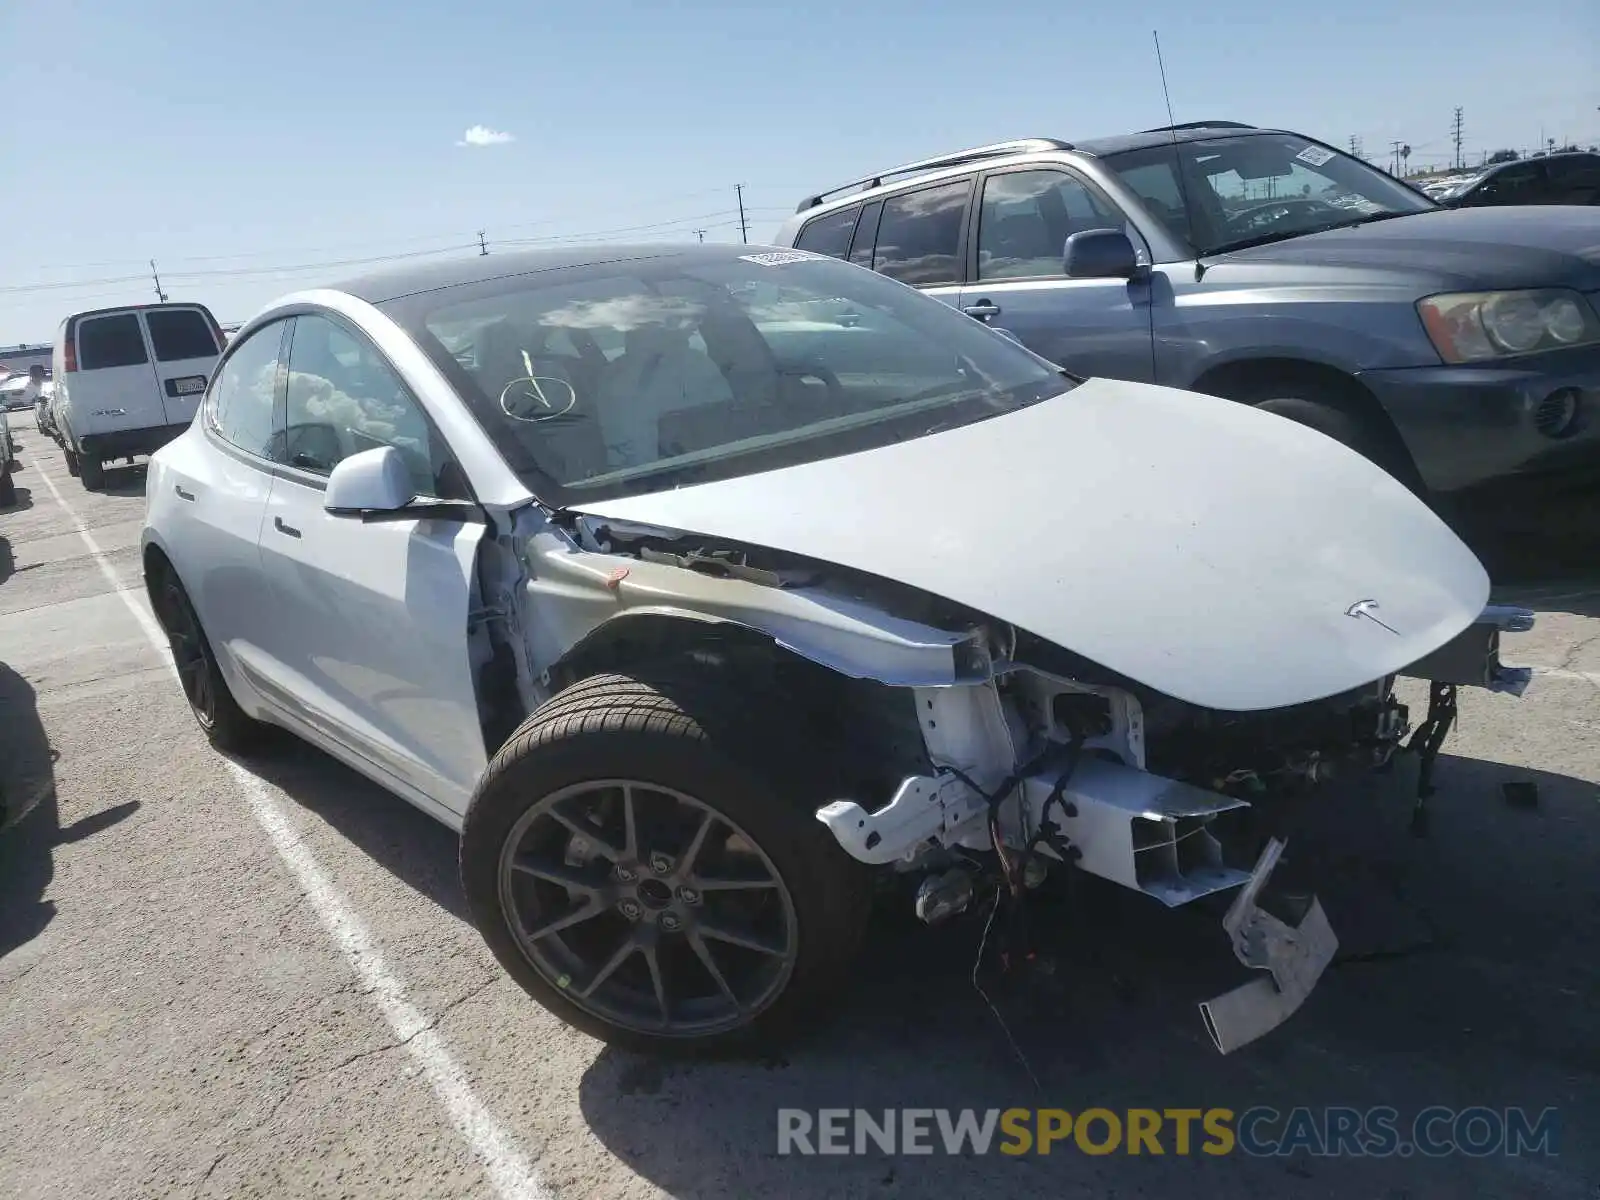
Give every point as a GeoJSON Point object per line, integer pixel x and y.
{"type": "Point", "coordinates": [1207, 550]}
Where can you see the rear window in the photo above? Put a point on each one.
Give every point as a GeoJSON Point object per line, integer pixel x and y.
{"type": "Point", "coordinates": [110, 342]}
{"type": "Point", "coordinates": [179, 333]}
{"type": "Point", "coordinates": [829, 234]}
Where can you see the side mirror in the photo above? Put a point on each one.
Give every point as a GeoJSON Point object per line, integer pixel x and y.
{"type": "Point", "coordinates": [1099, 254]}
{"type": "Point", "coordinates": [374, 480]}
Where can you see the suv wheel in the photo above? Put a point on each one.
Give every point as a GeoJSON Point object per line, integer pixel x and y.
{"type": "Point", "coordinates": [643, 859]}
{"type": "Point", "coordinates": [8, 487]}
{"type": "Point", "coordinates": [92, 471]}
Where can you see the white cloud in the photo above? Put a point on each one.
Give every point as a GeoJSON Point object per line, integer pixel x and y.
{"type": "Point", "coordinates": [482, 135]}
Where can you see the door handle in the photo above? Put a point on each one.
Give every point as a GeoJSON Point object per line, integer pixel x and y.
{"type": "Point", "coordinates": [982, 309]}
{"type": "Point", "coordinates": [277, 523]}
{"type": "Point", "coordinates": [183, 495]}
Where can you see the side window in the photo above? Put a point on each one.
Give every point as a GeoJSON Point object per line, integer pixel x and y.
{"type": "Point", "coordinates": [828, 234]}
{"type": "Point", "coordinates": [1026, 218]}
{"type": "Point", "coordinates": [343, 398]}
{"type": "Point", "coordinates": [1514, 185]}
{"type": "Point", "coordinates": [919, 237]}
{"type": "Point", "coordinates": [1575, 180]}
{"type": "Point", "coordinates": [866, 235]}
{"type": "Point", "coordinates": [244, 392]}
{"type": "Point", "coordinates": [110, 342]}
{"type": "Point", "coordinates": [180, 333]}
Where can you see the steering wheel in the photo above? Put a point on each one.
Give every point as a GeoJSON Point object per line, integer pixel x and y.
{"type": "Point", "coordinates": [1261, 215]}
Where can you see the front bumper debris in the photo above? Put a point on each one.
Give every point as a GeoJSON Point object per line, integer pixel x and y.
{"type": "Point", "coordinates": [1294, 957]}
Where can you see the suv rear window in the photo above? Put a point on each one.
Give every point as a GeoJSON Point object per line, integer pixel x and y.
{"type": "Point", "coordinates": [179, 333]}
{"type": "Point", "coordinates": [110, 342]}
{"type": "Point", "coordinates": [829, 234]}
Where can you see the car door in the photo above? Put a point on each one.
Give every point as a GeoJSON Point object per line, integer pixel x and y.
{"type": "Point", "coordinates": [917, 237]}
{"type": "Point", "coordinates": [1094, 327]}
{"type": "Point", "coordinates": [207, 494]}
{"type": "Point", "coordinates": [184, 345]}
{"type": "Point", "coordinates": [113, 382]}
{"type": "Point", "coordinates": [368, 644]}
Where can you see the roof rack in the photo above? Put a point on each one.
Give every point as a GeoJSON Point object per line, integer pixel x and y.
{"type": "Point", "coordinates": [975, 154]}
{"type": "Point", "coordinates": [1199, 125]}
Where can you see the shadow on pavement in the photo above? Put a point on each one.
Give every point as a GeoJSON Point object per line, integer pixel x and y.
{"type": "Point", "coordinates": [399, 837]}
{"type": "Point", "coordinates": [22, 503]}
{"type": "Point", "coordinates": [1465, 977]}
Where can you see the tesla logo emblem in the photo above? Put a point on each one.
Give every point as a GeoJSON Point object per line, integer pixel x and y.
{"type": "Point", "coordinates": [1369, 610]}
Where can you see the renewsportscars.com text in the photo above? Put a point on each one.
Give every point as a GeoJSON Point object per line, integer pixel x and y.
{"type": "Point", "coordinates": [1262, 1132]}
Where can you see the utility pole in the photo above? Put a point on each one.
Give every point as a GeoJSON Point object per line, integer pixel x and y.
{"type": "Point", "coordinates": [1457, 131]}
{"type": "Point", "coordinates": [483, 246]}
{"type": "Point", "coordinates": [744, 226]}
{"type": "Point", "coordinates": [160, 295]}
{"type": "Point", "coordinates": [701, 234]}
{"type": "Point", "coordinates": [1394, 156]}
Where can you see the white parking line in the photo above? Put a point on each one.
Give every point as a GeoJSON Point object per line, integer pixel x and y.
{"type": "Point", "coordinates": [513, 1176]}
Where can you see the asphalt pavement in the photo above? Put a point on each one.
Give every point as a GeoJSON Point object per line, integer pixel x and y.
{"type": "Point", "coordinates": [220, 981]}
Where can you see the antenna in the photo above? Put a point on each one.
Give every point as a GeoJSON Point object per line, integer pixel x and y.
{"type": "Point", "coordinates": [1162, 67]}
{"type": "Point", "coordinates": [1177, 165]}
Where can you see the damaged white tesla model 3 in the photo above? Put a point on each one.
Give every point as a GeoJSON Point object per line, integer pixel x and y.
{"type": "Point", "coordinates": [703, 589]}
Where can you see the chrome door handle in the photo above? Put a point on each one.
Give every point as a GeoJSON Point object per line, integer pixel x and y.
{"type": "Point", "coordinates": [982, 309]}
{"type": "Point", "coordinates": [183, 495]}
{"type": "Point", "coordinates": [277, 523]}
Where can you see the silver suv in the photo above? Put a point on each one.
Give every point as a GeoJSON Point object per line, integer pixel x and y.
{"type": "Point", "coordinates": [1454, 348]}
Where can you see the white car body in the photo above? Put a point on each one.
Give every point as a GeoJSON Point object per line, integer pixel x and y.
{"type": "Point", "coordinates": [128, 379]}
{"type": "Point", "coordinates": [1164, 542]}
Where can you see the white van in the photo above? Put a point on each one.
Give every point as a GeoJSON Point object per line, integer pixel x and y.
{"type": "Point", "coordinates": [128, 380]}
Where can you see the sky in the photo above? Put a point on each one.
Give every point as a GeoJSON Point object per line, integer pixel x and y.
{"type": "Point", "coordinates": [252, 150]}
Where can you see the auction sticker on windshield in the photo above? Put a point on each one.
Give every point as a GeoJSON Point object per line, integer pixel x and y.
{"type": "Point", "coordinates": [776, 258]}
{"type": "Point", "coordinates": [1314, 156]}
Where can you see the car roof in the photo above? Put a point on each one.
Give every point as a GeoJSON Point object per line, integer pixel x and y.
{"type": "Point", "coordinates": [1144, 140]}
{"type": "Point", "coordinates": [393, 283]}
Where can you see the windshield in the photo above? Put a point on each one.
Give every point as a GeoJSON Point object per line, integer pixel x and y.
{"type": "Point", "coordinates": [636, 376]}
{"type": "Point", "coordinates": [1259, 187]}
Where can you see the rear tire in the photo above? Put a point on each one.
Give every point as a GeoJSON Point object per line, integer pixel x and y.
{"type": "Point", "coordinates": [691, 750]}
{"type": "Point", "coordinates": [226, 726]}
{"type": "Point", "coordinates": [8, 489]}
{"type": "Point", "coordinates": [93, 473]}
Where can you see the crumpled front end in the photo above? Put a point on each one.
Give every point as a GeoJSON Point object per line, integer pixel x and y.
{"type": "Point", "coordinates": [1045, 771]}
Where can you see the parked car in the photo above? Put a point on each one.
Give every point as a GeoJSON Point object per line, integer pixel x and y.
{"type": "Point", "coordinates": [1454, 348]}
{"type": "Point", "coordinates": [614, 560]}
{"type": "Point", "coordinates": [128, 380]}
{"type": "Point", "coordinates": [1561, 178]}
{"type": "Point", "coordinates": [15, 394]}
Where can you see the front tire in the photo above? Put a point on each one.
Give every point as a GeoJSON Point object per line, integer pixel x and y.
{"type": "Point", "coordinates": [72, 458]}
{"type": "Point", "coordinates": [643, 859]}
{"type": "Point", "coordinates": [227, 726]}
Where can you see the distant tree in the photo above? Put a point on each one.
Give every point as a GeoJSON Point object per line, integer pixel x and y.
{"type": "Point", "coordinates": [1500, 156]}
